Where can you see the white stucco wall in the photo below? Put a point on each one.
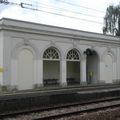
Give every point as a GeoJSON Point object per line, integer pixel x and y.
{"type": "Point", "coordinates": [18, 35]}
{"type": "Point", "coordinates": [25, 69]}
{"type": "Point", "coordinates": [118, 63]}
{"type": "Point", "coordinates": [1, 57]}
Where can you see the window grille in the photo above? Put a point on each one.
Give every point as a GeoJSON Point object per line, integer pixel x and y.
{"type": "Point", "coordinates": [73, 55]}
{"type": "Point", "coordinates": [51, 53]}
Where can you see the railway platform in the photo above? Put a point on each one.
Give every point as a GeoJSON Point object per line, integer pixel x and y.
{"type": "Point", "coordinates": [21, 100]}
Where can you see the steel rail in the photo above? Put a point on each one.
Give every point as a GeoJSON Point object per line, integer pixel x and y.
{"type": "Point", "coordinates": [78, 112]}
{"type": "Point", "coordinates": [35, 110]}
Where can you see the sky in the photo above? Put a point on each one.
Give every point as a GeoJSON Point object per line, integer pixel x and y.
{"type": "Point", "coordinates": [85, 15]}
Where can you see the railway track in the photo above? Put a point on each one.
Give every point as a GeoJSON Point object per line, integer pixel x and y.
{"type": "Point", "coordinates": [60, 111]}
{"type": "Point", "coordinates": [82, 108]}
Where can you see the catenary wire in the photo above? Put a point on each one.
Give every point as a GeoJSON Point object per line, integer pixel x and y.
{"type": "Point", "coordinates": [63, 9]}
{"type": "Point", "coordinates": [54, 13]}
{"type": "Point", "coordinates": [76, 5]}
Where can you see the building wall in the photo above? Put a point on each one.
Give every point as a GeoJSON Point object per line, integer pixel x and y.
{"type": "Point", "coordinates": [1, 57]}
{"type": "Point", "coordinates": [25, 69]}
{"type": "Point", "coordinates": [37, 38]}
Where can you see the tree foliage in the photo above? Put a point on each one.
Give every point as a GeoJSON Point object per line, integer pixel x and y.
{"type": "Point", "coordinates": [112, 20]}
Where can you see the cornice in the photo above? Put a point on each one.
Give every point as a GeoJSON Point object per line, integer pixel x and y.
{"type": "Point", "coordinates": [40, 29]}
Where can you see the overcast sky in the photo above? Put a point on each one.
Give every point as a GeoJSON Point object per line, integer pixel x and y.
{"type": "Point", "coordinates": [84, 15]}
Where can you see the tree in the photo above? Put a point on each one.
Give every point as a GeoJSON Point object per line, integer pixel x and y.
{"type": "Point", "coordinates": [112, 20]}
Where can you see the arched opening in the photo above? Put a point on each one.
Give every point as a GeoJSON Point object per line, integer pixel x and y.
{"type": "Point", "coordinates": [108, 71]}
{"type": "Point", "coordinates": [92, 66]}
{"type": "Point", "coordinates": [51, 67]}
{"type": "Point", "coordinates": [73, 67]}
{"type": "Point", "coordinates": [25, 69]}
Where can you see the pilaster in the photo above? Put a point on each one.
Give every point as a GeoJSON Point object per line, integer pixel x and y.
{"type": "Point", "coordinates": [101, 69]}
{"type": "Point", "coordinates": [1, 59]}
{"type": "Point", "coordinates": [83, 70]}
{"type": "Point", "coordinates": [118, 63]}
{"type": "Point", "coordinates": [114, 72]}
{"type": "Point", "coordinates": [40, 73]}
{"type": "Point", "coordinates": [63, 81]}
{"type": "Point", "coordinates": [14, 72]}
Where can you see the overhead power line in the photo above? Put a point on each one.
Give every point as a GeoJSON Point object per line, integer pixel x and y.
{"type": "Point", "coordinates": [33, 7]}
{"type": "Point", "coordinates": [76, 5]}
{"type": "Point", "coordinates": [39, 4]}
{"type": "Point", "coordinates": [23, 5]}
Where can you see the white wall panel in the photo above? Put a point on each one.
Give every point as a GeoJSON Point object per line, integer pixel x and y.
{"type": "Point", "coordinates": [25, 70]}
{"type": "Point", "coordinates": [108, 69]}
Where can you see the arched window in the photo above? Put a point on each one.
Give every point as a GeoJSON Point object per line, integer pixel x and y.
{"type": "Point", "coordinates": [73, 55]}
{"type": "Point", "coordinates": [73, 67]}
{"type": "Point", "coordinates": [51, 67]}
{"type": "Point", "coordinates": [51, 53]}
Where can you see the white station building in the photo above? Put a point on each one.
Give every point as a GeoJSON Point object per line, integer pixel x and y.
{"type": "Point", "coordinates": [35, 55]}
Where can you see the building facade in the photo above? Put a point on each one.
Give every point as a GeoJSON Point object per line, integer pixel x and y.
{"type": "Point", "coordinates": [35, 55]}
